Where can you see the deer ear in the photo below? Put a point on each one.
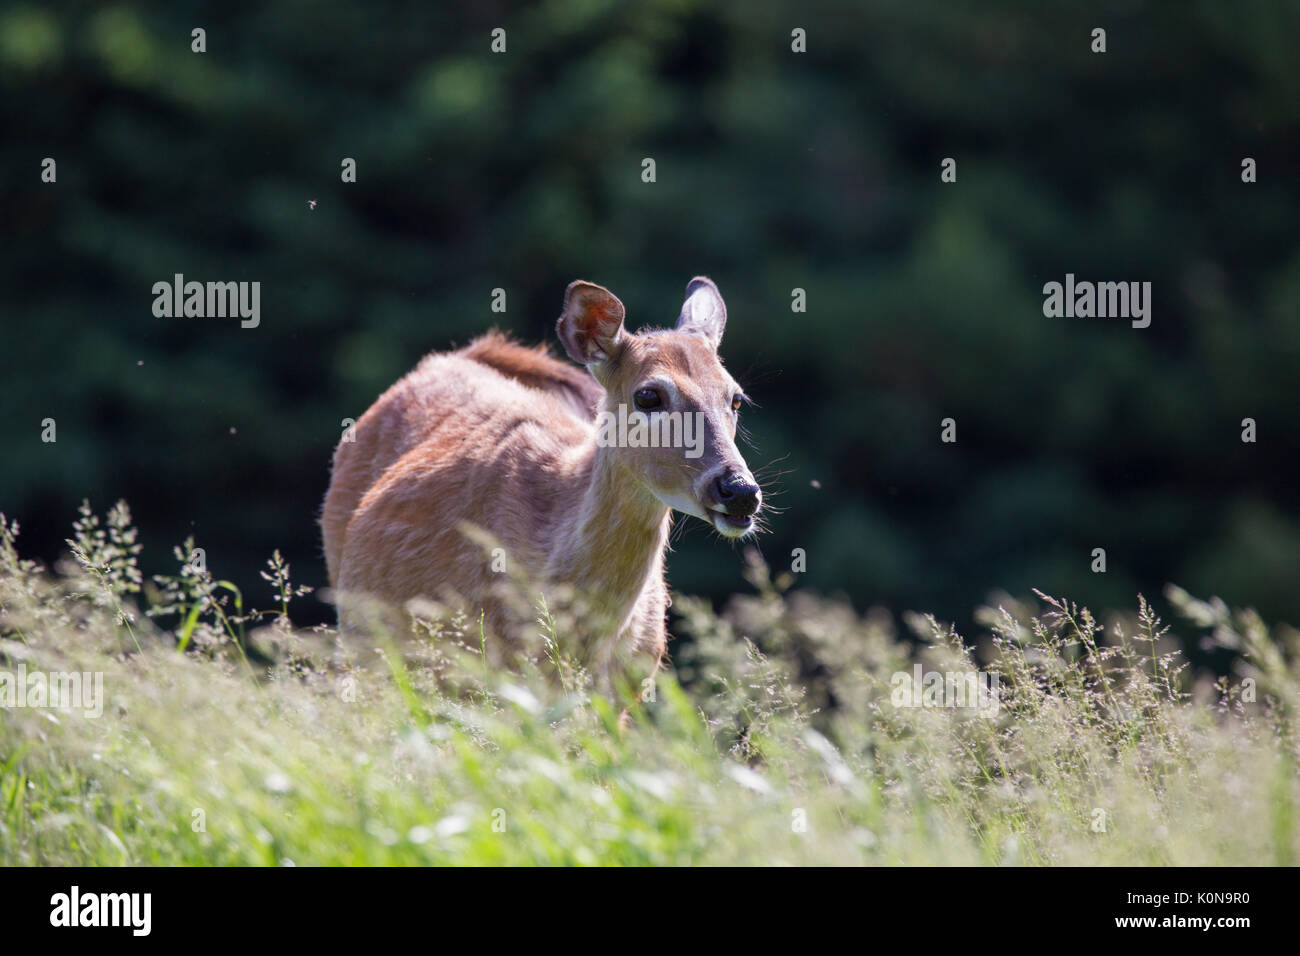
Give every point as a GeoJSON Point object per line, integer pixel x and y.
{"type": "Point", "coordinates": [703, 313]}
{"type": "Point", "coordinates": [591, 326]}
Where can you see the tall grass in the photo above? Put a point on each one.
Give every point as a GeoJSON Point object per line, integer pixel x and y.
{"type": "Point", "coordinates": [230, 738]}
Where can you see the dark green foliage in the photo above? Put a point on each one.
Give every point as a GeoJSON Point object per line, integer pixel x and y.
{"type": "Point", "coordinates": [775, 171]}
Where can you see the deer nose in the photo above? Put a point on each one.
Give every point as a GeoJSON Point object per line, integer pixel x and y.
{"type": "Point", "coordinates": [737, 493]}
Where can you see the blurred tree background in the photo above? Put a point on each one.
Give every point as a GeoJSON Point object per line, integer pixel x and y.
{"type": "Point", "coordinates": [775, 170]}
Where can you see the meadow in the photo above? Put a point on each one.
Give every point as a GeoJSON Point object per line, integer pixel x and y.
{"type": "Point", "coordinates": [228, 737]}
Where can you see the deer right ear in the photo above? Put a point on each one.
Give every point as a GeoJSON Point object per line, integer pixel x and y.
{"type": "Point", "coordinates": [703, 313]}
{"type": "Point", "coordinates": [591, 326]}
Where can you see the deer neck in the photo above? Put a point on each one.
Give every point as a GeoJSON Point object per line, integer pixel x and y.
{"type": "Point", "coordinates": [612, 547]}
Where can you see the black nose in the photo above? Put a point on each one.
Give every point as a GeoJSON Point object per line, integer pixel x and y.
{"type": "Point", "coordinates": [738, 493]}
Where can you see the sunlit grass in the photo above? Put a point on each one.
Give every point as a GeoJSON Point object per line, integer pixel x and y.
{"type": "Point", "coordinates": [229, 738]}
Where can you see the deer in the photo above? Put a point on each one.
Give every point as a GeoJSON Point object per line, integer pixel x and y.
{"type": "Point", "coordinates": [502, 443]}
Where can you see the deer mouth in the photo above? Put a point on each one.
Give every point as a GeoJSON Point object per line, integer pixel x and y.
{"type": "Point", "coordinates": [732, 526]}
{"type": "Point", "coordinates": [729, 525]}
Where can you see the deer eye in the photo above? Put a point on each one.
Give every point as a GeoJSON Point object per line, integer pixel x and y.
{"type": "Point", "coordinates": [735, 404]}
{"type": "Point", "coordinates": [647, 399]}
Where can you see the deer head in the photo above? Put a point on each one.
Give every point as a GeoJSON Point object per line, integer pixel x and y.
{"type": "Point", "coordinates": [671, 410]}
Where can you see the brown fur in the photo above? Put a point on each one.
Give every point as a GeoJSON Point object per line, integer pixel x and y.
{"type": "Point", "coordinates": [502, 438]}
{"type": "Point", "coordinates": [535, 368]}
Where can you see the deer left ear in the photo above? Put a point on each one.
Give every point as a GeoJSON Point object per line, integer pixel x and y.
{"type": "Point", "coordinates": [703, 313]}
{"type": "Point", "coordinates": [591, 326]}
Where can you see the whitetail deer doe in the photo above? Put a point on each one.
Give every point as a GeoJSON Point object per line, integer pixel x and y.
{"type": "Point", "coordinates": [508, 440]}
